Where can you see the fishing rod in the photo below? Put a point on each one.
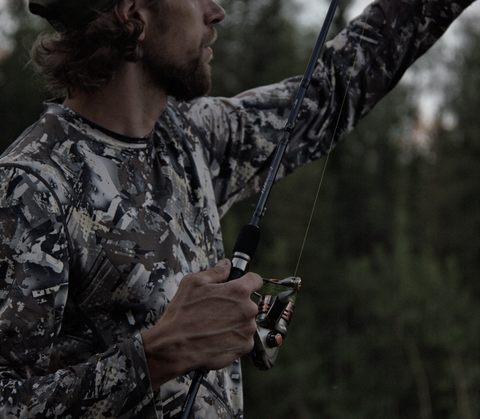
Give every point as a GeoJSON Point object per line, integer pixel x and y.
{"type": "Point", "coordinates": [277, 304]}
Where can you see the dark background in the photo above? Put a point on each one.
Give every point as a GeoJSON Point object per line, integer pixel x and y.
{"type": "Point", "coordinates": [387, 323]}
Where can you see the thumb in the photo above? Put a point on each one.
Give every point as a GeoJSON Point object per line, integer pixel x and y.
{"type": "Point", "coordinates": [220, 272]}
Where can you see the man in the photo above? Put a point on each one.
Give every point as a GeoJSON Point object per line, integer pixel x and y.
{"type": "Point", "coordinates": [113, 283]}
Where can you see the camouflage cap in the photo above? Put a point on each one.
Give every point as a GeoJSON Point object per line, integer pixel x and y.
{"type": "Point", "coordinates": [65, 14]}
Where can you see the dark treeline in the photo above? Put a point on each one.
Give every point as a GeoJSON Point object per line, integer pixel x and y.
{"type": "Point", "coordinates": [388, 320]}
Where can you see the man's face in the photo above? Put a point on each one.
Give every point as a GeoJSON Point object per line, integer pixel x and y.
{"type": "Point", "coordinates": [177, 50]}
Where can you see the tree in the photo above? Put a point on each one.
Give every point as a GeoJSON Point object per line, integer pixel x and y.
{"type": "Point", "coordinates": [452, 189]}
{"type": "Point", "coordinates": [257, 45]}
{"type": "Point", "coordinates": [21, 93]}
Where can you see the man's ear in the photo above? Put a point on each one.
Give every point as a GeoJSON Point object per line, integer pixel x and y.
{"type": "Point", "coordinates": [131, 9]}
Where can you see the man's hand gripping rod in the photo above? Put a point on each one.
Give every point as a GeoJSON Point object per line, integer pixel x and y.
{"type": "Point", "coordinates": [271, 324]}
{"type": "Point", "coordinates": [274, 314]}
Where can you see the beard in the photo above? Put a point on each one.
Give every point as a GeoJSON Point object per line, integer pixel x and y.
{"type": "Point", "coordinates": [182, 81]}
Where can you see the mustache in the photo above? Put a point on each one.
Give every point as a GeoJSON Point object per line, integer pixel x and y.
{"type": "Point", "coordinates": [209, 38]}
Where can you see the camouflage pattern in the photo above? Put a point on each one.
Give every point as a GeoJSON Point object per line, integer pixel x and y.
{"type": "Point", "coordinates": [98, 229]}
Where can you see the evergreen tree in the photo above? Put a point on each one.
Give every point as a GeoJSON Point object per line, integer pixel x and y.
{"type": "Point", "coordinates": [354, 216]}
{"type": "Point", "coordinates": [453, 191]}
{"type": "Point", "coordinates": [257, 45]}
{"type": "Point", "coordinates": [22, 94]}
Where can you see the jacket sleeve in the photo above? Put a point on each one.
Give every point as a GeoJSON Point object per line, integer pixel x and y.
{"type": "Point", "coordinates": [358, 68]}
{"type": "Point", "coordinates": [34, 265]}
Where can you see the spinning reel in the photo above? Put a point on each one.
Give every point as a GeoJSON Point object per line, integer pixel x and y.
{"type": "Point", "coordinates": [275, 306]}
{"type": "Point", "coordinates": [275, 311]}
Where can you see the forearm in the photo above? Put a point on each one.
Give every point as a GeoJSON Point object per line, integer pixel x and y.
{"type": "Point", "coordinates": [367, 59]}
{"type": "Point", "coordinates": [359, 67]}
{"type": "Point", "coordinates": [34, 289]}
{"type": "Point", "coordinates": [112, 384]}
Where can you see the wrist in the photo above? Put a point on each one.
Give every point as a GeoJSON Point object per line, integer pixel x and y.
{"type": "Point", "coordinates": [163, 352]}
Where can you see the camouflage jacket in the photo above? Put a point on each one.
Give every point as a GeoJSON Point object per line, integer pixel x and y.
{"type": "Point", "coordinates": [98, 229]}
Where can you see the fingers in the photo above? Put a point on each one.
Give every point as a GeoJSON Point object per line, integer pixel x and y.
{"type": "Point", "coordinates": [208, 324]}
{"type": "Point", "coordinates": [220, 272]}
{"type": "Point", "coordinates": [252, 281]}
{"type": "Point", "coordinates": [216, 275]}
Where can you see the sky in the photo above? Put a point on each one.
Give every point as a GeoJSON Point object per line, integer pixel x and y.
{"type": "Point", "coordinates": [312, 9]}
{"type": "Point", "coordinates": [313, 14]}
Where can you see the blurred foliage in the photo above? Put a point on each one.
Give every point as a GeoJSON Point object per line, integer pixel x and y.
{"type": "Point", "coordinates": [257, 45]}
{"type": "Point", "coordinates": [21, 94]}
{"type": "Point", "coordinates": [387, 322]}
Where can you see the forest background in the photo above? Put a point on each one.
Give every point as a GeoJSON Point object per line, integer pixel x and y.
{"type": "Point", "coordinates": [387, 324]}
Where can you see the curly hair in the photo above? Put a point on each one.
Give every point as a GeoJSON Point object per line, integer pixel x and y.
{"type": "Point", "coordinates": [87, 59]}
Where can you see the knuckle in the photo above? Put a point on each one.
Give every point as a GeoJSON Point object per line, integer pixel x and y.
{"type": "Point", "coordinates": [248, 312]}
{"type": "Point", "coordinates": [193, 280]}
{"type": "Point", "coordinates": [186, 279]}
{"type": "Point", "coordinates": [221, 269]}
{"type": "Point", "coordinates": [249, 327]}
{"type": "Point", "coordinates": [252, 328]}
{"type": "Point", "coordinates": [250, 344]}
{"type": "Point", "coordinates": [241, 290]}
{"type": "Point", "coordinates": [258, 281]}
{"type": "Point", "coordinates": [253, 309]}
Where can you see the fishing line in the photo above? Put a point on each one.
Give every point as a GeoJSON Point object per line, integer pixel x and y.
{"type": "Point", "coordinates": [329, 151]}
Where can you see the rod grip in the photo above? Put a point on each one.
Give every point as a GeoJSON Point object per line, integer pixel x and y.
{"type": "Point", "coordinates": [244, 250]}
